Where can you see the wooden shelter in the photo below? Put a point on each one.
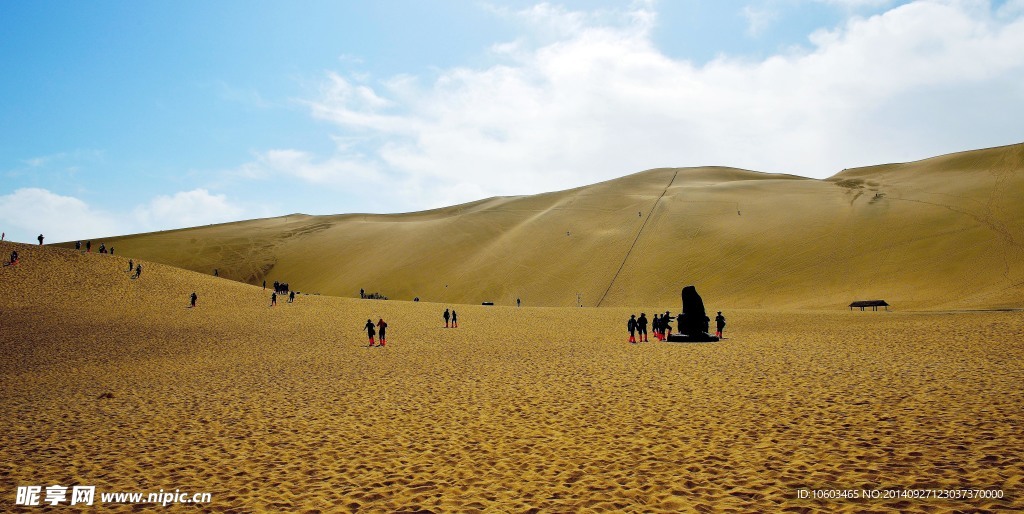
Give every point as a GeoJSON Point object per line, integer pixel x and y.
{"type": "Point", "coordinates": [874, 304]}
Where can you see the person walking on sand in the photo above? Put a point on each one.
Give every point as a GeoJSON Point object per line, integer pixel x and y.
{"type": "Point", "coordinates": [631, 326]}
{"type": "Point", "coordinates": [88, 246]}
{"type": "Point", "coordinates": [138, 271]}
{"type": "Point", "coordinates": [264, 285]}
{"type": "Point", "coordinates": [291, 296]}
{"type": "Point", "coordinates": [720, 323]}
{"type": "Point", "coordinates": [641, 326]}
{"type": "Point", "coordinates": [518, 303]}
{"type": "Point", "coordinates": [370, 332]}
{"type": "Point", "coordinates": [111, 250]}
{"type": "Point", "coordinates": [455, 319]}
{"type": "Point", "coordinates": [273, 298]}
{"type": "Point", "coordinates": [666, 324]}
{"type": "Point", "coordinates": [194, 298]}
{"type": "Point", "coordinates": [131, 265]}
{"type": "Point", "coordinates": [40, 238]}
{"type": "Point", "coordinates": [382, 327]}
{"type": "Point", "coordinates": [78, 245]}
{"type": "Point", "coordinates": [447, 316]}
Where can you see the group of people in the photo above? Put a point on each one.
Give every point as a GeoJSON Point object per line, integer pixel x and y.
{"type": "Point", "coordinates": [381, 327]}
{"type": "Point", "coordinates": [451, 316]}
{"type": "Point", "coordinates": [137, 268]}
{"type": "Point", "coordinates": [273, 297]}
{"type": "Point", "coordinates": [662, 326]}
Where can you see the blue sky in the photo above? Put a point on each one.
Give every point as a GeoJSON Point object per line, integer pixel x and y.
{"type": "Point", "coordinates": [121, 117]}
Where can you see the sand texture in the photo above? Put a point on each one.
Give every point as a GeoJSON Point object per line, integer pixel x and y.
{"type": "Point", "coordinates": [942, 233]}
{"type": "Point", "coordinates": [285, 409]}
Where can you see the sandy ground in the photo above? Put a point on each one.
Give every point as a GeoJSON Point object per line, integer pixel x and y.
{"type": "Point", "coordinates": [285, 409]}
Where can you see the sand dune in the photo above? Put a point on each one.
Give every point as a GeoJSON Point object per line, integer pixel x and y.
{"type": "Point", "coordinates": [113, 382]}
{"type": "Point", "coordinates": [935, 234]}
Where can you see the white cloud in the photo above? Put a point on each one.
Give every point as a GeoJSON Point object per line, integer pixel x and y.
{"type": "Point", "coordinates": [185, 209]}
{"type": "Point", "coordinates": [758, 18]}
{"type": "Point", "coordinates": [28, 212]}
{"type": "Point", "coordinates": [600, 101]}
{"type": "Point", "coordinates": [304, 166]}
{"type": "Point", "coordinates": [855, 4]}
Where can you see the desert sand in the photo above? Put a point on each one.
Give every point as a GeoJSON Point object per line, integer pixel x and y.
{"type": "Point", "coordinates": [114, 382]}
{"type": "Point", "coordinates": [941, 233]}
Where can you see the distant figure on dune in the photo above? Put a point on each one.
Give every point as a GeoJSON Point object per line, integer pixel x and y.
{"type": "Point", "coordinates": [14, 259]}
{"type": "Point", "coordinates": [291, 297]}
{"type": "Point", "coordinates": [641, 326]}
{"type": "Point", "coordinates": [40, 238]}
{"type": "Point", "coordinates": [3, 235]}
{"type": "Point", "coordinates": [447, 316]}
{"type": "Point", "coordinates": [273, 298]}
{"type": "Point", "coordinates": [720, 323]}
{"type": "Point", "coordinates": [518, 303]}
{"type": "Point", "coordinates": [78, 245]}
{"type": "Point", "coordinates": [666, 324]}
{"type": "Point", "coordinates": [631, 326]}
{"type": "Point", "coordinates": [138, 271]}
{"type": "Point", "coordinates": [362, 294]}
{"type": "Point", "coordinates": [455, 319]}
{"type": "Point", "coordinates": [111, 250]}
{"type": "Point", "coordinates": [131, 265]}
{"type": "Point", "coordinates": [215, 272]}
{"type": "Point", "coordinates": [264, 285]}
{"type": "Point", "coordinates": [88, 246]}
{"type": "Point", "coordinates": [382, 326]}
{"type": "Point", "coordinates": [103, 248]}
{"type": "Point", "coordinates": [370, 331]}
{"type": "Point", "coordinates": [656, 326]}
{"type": "Point", "coordinates": [194, 298]}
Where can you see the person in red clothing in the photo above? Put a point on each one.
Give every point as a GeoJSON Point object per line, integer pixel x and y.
{"type": "Point", "coordinates": [382, 327]}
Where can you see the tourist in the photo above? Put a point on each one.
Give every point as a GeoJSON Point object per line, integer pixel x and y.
{"type": "Point", "coordinates": [382, 327]}
{"type": "Point", "coordinates": [370, 331]}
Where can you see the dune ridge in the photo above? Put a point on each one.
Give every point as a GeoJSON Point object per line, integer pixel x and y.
{"type": "Point", "coordinates": [941, 233]}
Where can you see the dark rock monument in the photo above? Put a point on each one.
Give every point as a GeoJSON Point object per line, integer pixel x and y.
{"type": "Point", "coordinates": [693, 322]}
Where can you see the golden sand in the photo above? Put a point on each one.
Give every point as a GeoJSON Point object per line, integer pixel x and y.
{"type": "Point", "coordinates": [285, 409]}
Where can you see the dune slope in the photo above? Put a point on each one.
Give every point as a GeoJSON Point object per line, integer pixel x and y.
{"type": "Point", "coordinates": [942, 233]}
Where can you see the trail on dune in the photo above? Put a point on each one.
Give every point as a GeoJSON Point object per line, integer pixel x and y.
{"type": "Point", "coordinates": [637, 238]}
